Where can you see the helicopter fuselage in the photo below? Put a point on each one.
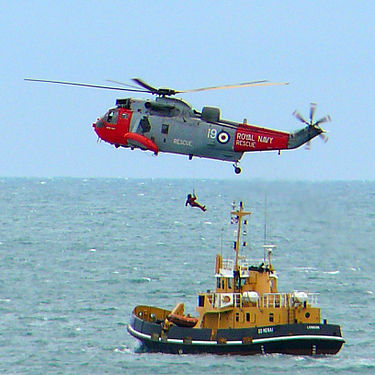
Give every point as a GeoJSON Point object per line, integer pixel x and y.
{"type": "Point", "coordinates": [171, 125]}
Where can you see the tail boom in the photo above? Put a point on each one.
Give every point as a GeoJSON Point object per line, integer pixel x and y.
{"type": "Point", "coordinates": [251, 138]}
{"type": "Point", "coordinates": [303, 136]}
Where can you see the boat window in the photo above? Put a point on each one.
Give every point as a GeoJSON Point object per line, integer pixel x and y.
{"type": "Point", "coordinates": [218, 282]}
{"type": "Point", "coordinates": [164, 128]}
{"type": "Point", "coordinates": [270, 318]}
{"type": "Point", "coordinates": [248, 317]}
{"type": "Point", "coordinates": [200, 301]}
{"type": "Point", "coordinates": [222, 284]}
{"type": "Point", "coordinates": [237, 317]}
{"type": "Point", "coordinates": [240, 282]}
{"type": "Point", "coordinates": [230, 283]}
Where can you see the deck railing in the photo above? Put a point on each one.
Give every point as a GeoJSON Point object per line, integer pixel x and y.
{"type": "Point", "coordinates": [267, 300]}
{"type": "Point", "coordinates": [243, 263]}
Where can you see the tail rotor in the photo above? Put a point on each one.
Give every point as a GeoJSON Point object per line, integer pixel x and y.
{"type": "Point", "coordinates": [314, 124]}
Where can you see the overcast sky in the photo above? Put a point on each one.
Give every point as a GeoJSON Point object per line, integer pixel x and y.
{"type": "Point", "coordinates": [325, 49]}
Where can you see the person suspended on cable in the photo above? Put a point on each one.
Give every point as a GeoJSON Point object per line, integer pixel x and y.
{"type": "Point", "coordinates": [191, 200]}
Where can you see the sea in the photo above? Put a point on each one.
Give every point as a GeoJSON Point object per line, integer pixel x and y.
{"type": "Point", "coordinates": [78, 254]}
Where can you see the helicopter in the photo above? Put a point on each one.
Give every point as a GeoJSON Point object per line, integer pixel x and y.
{"type": "Point", "coordinates": [170, 124]}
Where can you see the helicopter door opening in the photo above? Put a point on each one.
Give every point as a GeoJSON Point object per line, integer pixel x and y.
{"type": "Point", "coordinates": [164, 132]}
{"type": "Point", "coordinates": [144, 125]}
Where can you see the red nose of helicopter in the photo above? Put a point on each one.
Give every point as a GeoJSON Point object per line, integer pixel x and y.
{"type": "Point", "coordinates": [107, 130]}
{"type": "Point", "coordinates": [99, 124]}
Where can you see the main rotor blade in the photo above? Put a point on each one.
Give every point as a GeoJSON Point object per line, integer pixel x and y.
{"type": "Point", "coordinates": [122, 83]}
{"type": "Point", "coordinates": [145, 85]}
{"type": "Point", "coordinates": [237, 85]}
{"type": "Point", "coordinates": [84, 85]}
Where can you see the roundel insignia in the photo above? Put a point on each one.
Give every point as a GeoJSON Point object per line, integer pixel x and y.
{"type": "Point", "coordinates": [223, 137]}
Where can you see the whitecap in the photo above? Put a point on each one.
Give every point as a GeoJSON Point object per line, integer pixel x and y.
{"type": "Point", "coordinates": [355, 269]}
{"type": "Point", "coordinates": [124, 349]}
{"type": "Point", "coordinates": [332, 272]}
{"type": "Point", "coordinates": [141, 280]}
{"type": "Point", "coordinates": [92, 250]}
{"type": "Point", "coordinates": [208, 222]}
{"type": "Point", "coordinates": [305, 269]}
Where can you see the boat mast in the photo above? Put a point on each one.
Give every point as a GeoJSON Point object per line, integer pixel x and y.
{"type": "Point", "coordinates": [238, 216]}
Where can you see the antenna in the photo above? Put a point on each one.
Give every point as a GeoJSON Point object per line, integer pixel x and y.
{"type": "Point", "coordinates": [265, 218]}
{"type": "Point", "coordinates": [221, 241]}
{"type": "Point", "coordinates": [236, 218]}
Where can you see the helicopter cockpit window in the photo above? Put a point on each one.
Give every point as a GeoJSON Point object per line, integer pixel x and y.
{"type": "Point", "coordinates": [112, 116]}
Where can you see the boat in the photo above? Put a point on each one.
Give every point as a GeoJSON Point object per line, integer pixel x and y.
{"type": "Point", "coordinates": [245, 315]}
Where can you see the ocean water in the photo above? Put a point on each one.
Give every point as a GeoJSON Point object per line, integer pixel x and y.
{"type": "Point", "coordinates": [76, 256]}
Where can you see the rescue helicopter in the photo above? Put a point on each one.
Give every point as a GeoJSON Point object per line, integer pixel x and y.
{"type": "Point", "coordinates": [170, 124]}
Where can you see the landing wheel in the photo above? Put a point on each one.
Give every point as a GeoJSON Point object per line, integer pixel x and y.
{"type": "Point", "coordinates": [237, 170]}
